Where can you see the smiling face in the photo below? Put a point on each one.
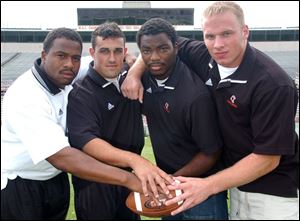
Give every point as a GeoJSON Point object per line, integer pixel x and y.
{"type": "Point", "coordinates": [62, 61]}
{"type": "Point", "coordinates": [108, 56]}
{"type": "Point", "coordinates": [159, 54]}
{"type": "Point", "coordinates": [225, 38]}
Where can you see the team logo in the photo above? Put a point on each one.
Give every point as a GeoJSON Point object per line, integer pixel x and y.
{"type": "Point", "coordinates": [208, 82]}
{"type": "Point", "coordinates": [110, 106]}
{"type": "Point", "coordinates": [151, 204]}
{"type": "Point", "coordinates": [149, 90]}
{"type": "Point", "coordinates": [167, 107]}
{"type": "Point", "coordinates": [231, 101]}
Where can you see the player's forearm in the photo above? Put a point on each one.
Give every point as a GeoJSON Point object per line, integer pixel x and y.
{"type": "Point", "coordinates": [82, 165]}
{"type": "Point", "coordinates": [132, 87]}
{"type": "Point", "coordinates": [105, 152]}
{"type": "Point", "coordinates": [245, 171]}
{"type": "Point", "coordinates": [200, 164]}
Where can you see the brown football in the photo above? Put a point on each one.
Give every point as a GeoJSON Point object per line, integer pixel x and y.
{"type": "Point", "coordinates": [145, 206]}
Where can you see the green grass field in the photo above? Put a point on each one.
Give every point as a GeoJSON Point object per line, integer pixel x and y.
{"type": "Point", "coordinates": [147, 153]}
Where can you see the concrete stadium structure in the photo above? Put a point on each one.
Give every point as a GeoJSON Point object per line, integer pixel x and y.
{"type": "Point", "coordinates": [20, 47]}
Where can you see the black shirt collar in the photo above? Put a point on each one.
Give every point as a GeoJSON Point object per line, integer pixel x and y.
{"type": "Point", "coordinates": [43, 78]}
{"type": "Point", "coordinates": [98, 79]}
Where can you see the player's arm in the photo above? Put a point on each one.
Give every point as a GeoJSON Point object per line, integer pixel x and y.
{"type": "Point", "coordinates": [271, 107]}
{"type": "Point", "coordinates": [201, 113]}
{"type": "Point", "coordinates": [195, 55]}
{"type": "Point", "coordinates": [132, 87]}
{"type": "Point", "coordinates": [148, 173]}
{"type": "Point", "coordinates": [78, 163]}
{"type": "Point", "coordinates": [248, 169]}
{"type": "Point", "coordinates": [200, 163]}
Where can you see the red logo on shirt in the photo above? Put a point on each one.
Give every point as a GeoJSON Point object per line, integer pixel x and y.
{"type": "Point", "coordinates": [167, 107]}
{"type": "Point", "coordinates": [231, 101]}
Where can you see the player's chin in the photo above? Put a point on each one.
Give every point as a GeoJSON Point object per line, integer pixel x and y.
{"type": "Point", "coordinates": [66, 81]}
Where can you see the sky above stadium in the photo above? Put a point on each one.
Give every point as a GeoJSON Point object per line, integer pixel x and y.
{"type": "Point", "coordinates": [53, 14]}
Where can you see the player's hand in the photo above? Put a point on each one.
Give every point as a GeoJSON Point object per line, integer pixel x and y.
{"type": "Point", "coordinates": [152, 177]}
{"type": "Point", "coordinates": [130, 59]}
{"type": "Point", "coordinates": [195, 191]}
{"type": "Point", "coordinates": [132, 88]}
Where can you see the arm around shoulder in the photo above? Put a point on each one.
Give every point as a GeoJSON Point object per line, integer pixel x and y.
{"type": "Point", "coordinates": [132, 86]}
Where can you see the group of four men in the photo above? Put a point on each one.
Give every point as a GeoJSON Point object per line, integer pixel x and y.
{"type": "Point", "coordinates": [220, 110]}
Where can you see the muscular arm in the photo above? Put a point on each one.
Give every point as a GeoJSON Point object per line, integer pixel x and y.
{"type": "Point", "coordinates": [147, 172]}
{"type": "Point", "coordinates": [248, 169]}
{"type": "Point", "coordinates": [195, 55]}
{"type": "Point", "coordinates": [198, 165]}
{"type": "Point", "coordinates": [201, 112]}
{"type": "Point", "coordinates": [245, 171]}
{"type": "Point", "coordinates": [109, 154]}
{"type": "Point", "coordinates": [80, 164]}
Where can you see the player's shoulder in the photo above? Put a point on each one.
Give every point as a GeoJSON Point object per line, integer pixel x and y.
{"type": "Point", "coordinates": [84, 66]}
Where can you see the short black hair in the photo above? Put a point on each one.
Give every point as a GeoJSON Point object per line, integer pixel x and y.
{"type": "Point", "coordinates": [156, 26]}
{"type": "Point", "coordinates": [107, 30]}
{"type": "Point", "coordinates": [66, 33]}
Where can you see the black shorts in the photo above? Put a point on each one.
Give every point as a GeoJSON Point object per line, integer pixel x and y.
{"type": "Point", "coordinates": [24, 199]}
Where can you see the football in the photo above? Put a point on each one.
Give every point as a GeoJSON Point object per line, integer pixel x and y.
{"type": "Point", "coordinates": [146, 206]}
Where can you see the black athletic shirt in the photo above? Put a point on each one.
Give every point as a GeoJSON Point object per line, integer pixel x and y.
{"type": "Point", "coordinates": [181, 117]}
{"type": "Point", "coordinates": [256, 116]}
{"type": "Point", "coordinates": [96, 109]}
